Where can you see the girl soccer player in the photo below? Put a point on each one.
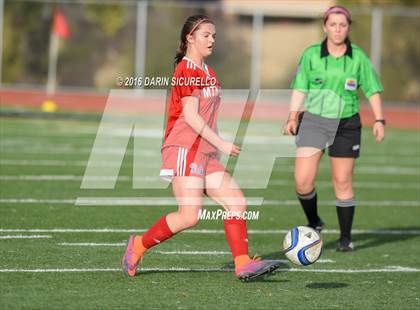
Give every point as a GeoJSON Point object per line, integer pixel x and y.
{"type": "Point", "coordinates": [328, 78]}
{"type": "Point", "coordinates": [190, 157]}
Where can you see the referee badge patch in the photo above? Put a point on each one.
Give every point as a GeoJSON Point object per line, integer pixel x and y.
{"type": "Point", "coordinates": [297, 69]}
{"type": "Point", "coordinates": [350, 84]}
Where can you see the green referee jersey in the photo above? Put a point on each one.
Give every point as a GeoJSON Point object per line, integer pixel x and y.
{"type": "Point", "coordinates": [332, 83]}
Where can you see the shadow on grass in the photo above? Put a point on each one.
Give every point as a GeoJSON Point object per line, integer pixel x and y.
{"type": "Point", "coordinates": [327, 285]}
{"type": "Point", "coordinates": [265, 278]}
{"type": "Point", "coordinates": [268, 279]}
{"type": "Point", "coordinates": [380, 237]}
{"type": "Point", "coordinates": [228, 267]}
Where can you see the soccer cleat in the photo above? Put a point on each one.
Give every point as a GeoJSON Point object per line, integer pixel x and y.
{"type": "Point", "coordinates": [129, 261]}
{"type": "Point", "coordinates": [318, 226]}
{"type": "Point", "coordinates": [345, 246]}
{"type": "Point", "coordinates": [256, 268]}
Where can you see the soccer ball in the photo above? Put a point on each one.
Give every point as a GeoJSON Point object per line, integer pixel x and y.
{"type": "Point", "coordinates": [302, 245]}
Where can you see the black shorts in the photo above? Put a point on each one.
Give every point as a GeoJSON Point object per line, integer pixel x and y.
{"type": "Point", "coordinates": [341, 136]}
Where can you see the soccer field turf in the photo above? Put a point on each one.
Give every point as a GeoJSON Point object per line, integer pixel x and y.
{"type": "Point", "coordinates": [55, 254]}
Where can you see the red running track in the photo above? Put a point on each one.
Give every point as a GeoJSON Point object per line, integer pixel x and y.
{"type": "Point", "coordinates": [397, 117]}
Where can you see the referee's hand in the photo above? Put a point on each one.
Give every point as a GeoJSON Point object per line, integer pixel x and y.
{"type": "Point", "coordinates": [378, 132]}
{"type": "Point", "coordinates": [290, 128]}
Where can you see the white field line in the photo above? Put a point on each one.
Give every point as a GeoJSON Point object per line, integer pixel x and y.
{"type": "Point", "coordinates": [17, 134]}
{"type": "Point", "coordinates": [396, 170]}
{"type": "Point", "coordinates": [389, 269]}
{"type": "Point", "coordinates": [156, 133]}
{"type": "Point", "coordinates": [77, 150]}
{"type": "Point", "coordinates": [132, 201]}
{"type": "Point", "coordinates": [254, 201]}
{"type": "Point", "coordinates": [378, 203]}
{"type": "Point", "coordinates": [406, 160]}
{"type": "Point", "coordinates": [358, 184]}
{"type": "Point", "coordinates": [192, 252]}
{"type": "Point", "coordinates": [150, 132]}
{"type": "Point", "coordinates": [108, 132]}
{"type": "Point", "coordinates": [123, 244]}
{"type": "Point", "coordinates": [415, 232]}
{"type": "Point", "coordinates": [123, 201]}
{"type": "Point", "coordinates": [33, 200]}
{"type": "Point", "coordinates": [43, 149]}
{"type": "Point", "coordinates": [125, 178]}
{"type": "Point", "coordinates": [25, 237]}
{"type": "Point", "coordinates": [210, 253]}
{"type": "Point", "coordinates": [251, 201]}
{"type": "Point", "coordinates": [64, 178]}
{"type": "Point", "coordinates": [91, 136]}
{"type": "Point", "coordinates": [147, 129]}
{"type": "Point", "coordinates": [65, 150]}
{"type": "Point", "coordinates": [93, 244]}
{"type": "Point", "coordinates": [57, 163]}
{"type": "Point", "coordinates": [37, 147]}
{"type": "Point", "coordinates": [378, 270]}
{"type": "Point", "coordinates": [250, 139]}
{"type": "Point", "coordinates": [76, 178]}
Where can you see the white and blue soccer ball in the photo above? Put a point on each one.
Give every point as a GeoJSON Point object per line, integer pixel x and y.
{"type": "Point", "coordinates": [302, 245]}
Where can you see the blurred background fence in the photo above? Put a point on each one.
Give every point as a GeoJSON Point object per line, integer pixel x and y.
{"type": "Point", "coordinates": [258, 42]}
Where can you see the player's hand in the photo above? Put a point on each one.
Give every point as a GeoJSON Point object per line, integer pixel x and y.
{"type": "Point", "coordinates": [228, 148]}
{"type": "Point", "coordinates": [378, 132]}
{"type": "Point", "coordinates": [290, 128]}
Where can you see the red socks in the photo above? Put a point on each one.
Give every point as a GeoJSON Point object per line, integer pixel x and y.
{"type": "Point", "coordinates": [237, 237]}
{"type": "Point", "coordinates": [235, 229]}
{"type": "Point", "coordinates": [157, 233]}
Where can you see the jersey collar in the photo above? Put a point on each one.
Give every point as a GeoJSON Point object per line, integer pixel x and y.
{"type": "Point", "coordinates": [204, 68]}
{"type": "Point", "coordinates": [325, 52]}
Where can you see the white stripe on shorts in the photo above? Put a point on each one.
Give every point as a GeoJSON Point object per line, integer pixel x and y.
{"type": "Point", "coordinates": [178, 161]}
{"type": "Point", "coordinates": [182, 161]}
{"type": "Point", "coordinates": [185, 161]}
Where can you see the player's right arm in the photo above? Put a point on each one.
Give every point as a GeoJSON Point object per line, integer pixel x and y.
{"type": "Point", "coordinates": [191, 116]}
{"type": "Point", "coordinates": [300, 86]}
{"type": "Point", "coordinates": [296, 103]}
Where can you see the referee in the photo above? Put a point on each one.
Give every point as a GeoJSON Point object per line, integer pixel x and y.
{"type": "Point", "coordinates": [327, 81]}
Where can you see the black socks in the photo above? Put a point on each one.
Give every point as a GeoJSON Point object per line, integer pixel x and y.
{"type": "Point", "coordinates": [310, 207]}
{"type": "Point", "coordinates": [345, 213]}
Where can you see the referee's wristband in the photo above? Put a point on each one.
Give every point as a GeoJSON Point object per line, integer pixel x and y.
{"type": "Point", "coordinates": [380, 121]}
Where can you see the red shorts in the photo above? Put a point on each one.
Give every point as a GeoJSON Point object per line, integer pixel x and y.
{"type": "Point", "coordinates": [179, 161]}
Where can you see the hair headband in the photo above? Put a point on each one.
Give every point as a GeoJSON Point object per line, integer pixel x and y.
{"type": "Point", "coordinates": [198, 24]}
{"type": "Point", "coordinates": [337, 9]}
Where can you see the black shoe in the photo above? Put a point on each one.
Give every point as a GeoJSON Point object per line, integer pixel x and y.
{"type": "Point", "coordinates": [345, 246]}
{"type": "Point", "coordinates": [318, 226]}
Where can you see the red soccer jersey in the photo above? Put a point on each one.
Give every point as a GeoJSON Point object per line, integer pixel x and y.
{"type": "Point", "coordinates": [191, 80]}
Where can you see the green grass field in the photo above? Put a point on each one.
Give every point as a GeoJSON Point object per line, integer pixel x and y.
{"type": "Point", "coordinates": [58, 255]}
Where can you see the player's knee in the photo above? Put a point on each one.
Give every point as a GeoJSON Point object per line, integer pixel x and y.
{"type": "Point", "coordinates": [234, 204]}
{"type": "Point", "coordinates": [342, 183]}
{"type": "Point", "coordinates": [304, 186]}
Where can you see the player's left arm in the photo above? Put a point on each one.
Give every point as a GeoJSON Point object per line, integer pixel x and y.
{"type": "Point", "coordinates": [372, 88]}
{"type": "Point", "coordinates": [378, 129]}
